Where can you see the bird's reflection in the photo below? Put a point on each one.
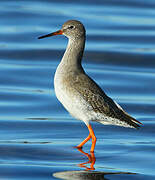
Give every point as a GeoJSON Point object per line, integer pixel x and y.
{"type": "Point", "coordinates": [87, 173]}
{"type": "Point", "coordinates": [91, 160]}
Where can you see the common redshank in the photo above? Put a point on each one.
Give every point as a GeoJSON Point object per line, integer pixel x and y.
{"type": "Point", "coordinates": [78, 93]}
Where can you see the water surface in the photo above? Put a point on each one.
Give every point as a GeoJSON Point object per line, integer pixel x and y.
{"type": "Point", "coordinates": [37, 134]}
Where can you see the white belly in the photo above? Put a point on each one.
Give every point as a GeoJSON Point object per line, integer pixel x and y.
{"type": "Point", "coordinates": [72, 100]}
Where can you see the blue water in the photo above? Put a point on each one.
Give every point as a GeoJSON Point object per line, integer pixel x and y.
{"type": "Point", "coordinates": [37, 134]}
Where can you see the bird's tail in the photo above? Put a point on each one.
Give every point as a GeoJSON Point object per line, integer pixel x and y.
{"type": "Point", "coordinates": [132, 121]}
{"type": "Point", "coordinates": [123, 119]}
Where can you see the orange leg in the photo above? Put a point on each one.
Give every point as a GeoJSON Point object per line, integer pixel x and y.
{"type": "Point", "coordinates": [83, 142]}
{"type": "Point", "coordinates": [91, 135]}
{"type": "Point", "coordinates": [93, 159]}
{"type": "Point", "coordinates": [93, 138]}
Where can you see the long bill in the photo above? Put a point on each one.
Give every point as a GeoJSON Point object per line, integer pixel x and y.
{"type": "Point", "coordinates": [60, 32]}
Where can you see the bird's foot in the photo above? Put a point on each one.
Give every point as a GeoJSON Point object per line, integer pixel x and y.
{"type": "Point", "coordinates": [79, 147]}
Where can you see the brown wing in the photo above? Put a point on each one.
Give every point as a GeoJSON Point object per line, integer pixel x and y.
{"type": "Point", "coordinates": [100, 102]}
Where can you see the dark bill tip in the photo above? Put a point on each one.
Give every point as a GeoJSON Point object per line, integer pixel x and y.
{"type": "Point", "coordinates": [60, 32]}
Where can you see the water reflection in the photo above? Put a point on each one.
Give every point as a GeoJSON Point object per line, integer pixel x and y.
{"type": "Point", "coordinates": [91, 160]}
{"type": "Point", "coordinates": [90, 175]}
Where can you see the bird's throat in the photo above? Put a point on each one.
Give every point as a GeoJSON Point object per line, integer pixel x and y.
{"type": "Point", "coordinates": [73, 55]}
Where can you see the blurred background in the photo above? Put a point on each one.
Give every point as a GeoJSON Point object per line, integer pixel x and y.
{"type": "Point", "coordinates": [37, 134]}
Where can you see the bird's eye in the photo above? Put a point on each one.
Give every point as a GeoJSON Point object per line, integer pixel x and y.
{"type": "Point", "coordinates": [70, 27]}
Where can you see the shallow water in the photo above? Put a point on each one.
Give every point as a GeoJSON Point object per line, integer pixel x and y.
{"type": "Point", "coordinates": [37, 134]}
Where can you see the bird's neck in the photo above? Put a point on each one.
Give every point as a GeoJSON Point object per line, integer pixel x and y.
{"type": "Point", "coordinates": [72, 57]}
